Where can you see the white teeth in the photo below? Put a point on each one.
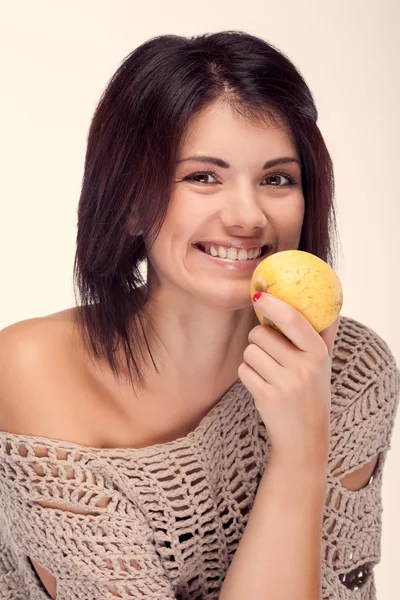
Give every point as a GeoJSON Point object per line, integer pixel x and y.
{"type": "Point", "coordinates": [221, 252]}
{"type": "Point", "coordinates": [233, 253]}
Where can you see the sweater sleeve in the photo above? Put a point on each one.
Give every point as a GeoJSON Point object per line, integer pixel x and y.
{"type": "Point", "coordinates": [365, 400]}
{"type": "Point", "coordinates": [97, 546]}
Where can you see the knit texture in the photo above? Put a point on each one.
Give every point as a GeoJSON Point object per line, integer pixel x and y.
{"type": "Point", "coordinates": [163, 522]}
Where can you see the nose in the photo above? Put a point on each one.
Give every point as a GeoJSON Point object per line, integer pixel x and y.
{"type": "Point", "coordinates": [243, 210]}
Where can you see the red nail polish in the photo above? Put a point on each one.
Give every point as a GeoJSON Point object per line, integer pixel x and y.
{"type": "Point", "coordinates": [256, 296]}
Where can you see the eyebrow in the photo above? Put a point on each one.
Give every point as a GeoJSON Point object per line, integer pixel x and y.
{"type": "Point", "coordinates": [224, 165]}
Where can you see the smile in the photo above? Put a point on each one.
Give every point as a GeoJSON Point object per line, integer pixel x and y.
{"type": "Point", "coordinates": [242, 261]}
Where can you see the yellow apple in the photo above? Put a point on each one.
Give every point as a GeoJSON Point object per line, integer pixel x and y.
{"type": "Point", "coordinates": [302, 280]}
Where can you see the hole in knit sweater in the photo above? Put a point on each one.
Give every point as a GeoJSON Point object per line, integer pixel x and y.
{"type": "Point", "coordinates": [45, 580]}
{"type": "Point", "coordinates": [356, 578]}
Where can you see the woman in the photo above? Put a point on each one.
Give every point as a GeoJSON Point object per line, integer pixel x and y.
{"type": "Point", "coordinates": [156, 442]}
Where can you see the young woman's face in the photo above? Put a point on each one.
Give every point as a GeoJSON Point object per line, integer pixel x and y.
{"type": "Point", "coordinates": [246, 202]}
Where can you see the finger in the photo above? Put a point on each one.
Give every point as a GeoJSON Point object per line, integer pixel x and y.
{"type": "Point", "coordinates": [329, 335]}
{"type": "Point", "coordinates": [275, 344]}
{"type": "Point", "coordinates": [253, 381]}
{"type": "Point", "coordinates": [292, 323]}
{"type": "Point", "coordinates": [263, 364]}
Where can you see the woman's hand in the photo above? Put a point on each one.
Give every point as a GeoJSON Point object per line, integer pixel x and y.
{"type": "Point", "coordinates": [290, 380]}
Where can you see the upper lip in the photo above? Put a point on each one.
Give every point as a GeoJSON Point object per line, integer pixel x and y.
{"type": "Point", "coordinates": [246, 245]}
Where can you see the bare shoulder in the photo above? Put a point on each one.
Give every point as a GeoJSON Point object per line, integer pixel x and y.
{"type": "Point", "coordinates": [44, 379]}
{"type": "Point", "coordinates": [27, 348]}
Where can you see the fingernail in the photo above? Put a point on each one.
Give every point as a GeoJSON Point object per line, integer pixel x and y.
{"type": "Point", "coordinates": [256, 296]}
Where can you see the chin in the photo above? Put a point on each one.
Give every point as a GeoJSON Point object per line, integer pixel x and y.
{"type": "Point", "coordinates": [227, 298]}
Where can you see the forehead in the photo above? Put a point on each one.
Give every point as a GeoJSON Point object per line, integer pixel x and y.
{"type": "Point", "coordinates": [221, 131]}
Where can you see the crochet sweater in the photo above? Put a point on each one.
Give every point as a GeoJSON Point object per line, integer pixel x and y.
{"type": "Point", "coordinates": [163, 522]}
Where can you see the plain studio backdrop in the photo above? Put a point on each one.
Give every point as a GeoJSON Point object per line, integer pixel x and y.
{"type": "Point", "coordinates": [56, 58]}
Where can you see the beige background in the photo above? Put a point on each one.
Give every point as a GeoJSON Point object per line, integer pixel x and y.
{"type": "Point", "coordinates": [56, 58]}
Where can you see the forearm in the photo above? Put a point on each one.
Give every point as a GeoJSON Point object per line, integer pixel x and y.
{"type": "Point", "coordinates": [279, 555]}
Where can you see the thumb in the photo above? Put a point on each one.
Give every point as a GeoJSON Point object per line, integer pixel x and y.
{"type": "Point", "coordinates": [329, 335]}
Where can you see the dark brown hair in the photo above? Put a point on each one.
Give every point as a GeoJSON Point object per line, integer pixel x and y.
{"type": "Point", "coordinates": [132, 146]}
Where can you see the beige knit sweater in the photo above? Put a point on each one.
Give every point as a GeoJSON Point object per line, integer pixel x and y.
{"type": "Point", "coordinates": [179, 509]}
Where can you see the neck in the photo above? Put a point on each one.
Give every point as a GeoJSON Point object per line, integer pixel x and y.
{"type": "Point", "coordinates": [202, 345]}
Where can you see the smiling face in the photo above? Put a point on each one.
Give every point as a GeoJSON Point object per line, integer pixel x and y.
{"type": "Point", "coordinates": [244, 202]}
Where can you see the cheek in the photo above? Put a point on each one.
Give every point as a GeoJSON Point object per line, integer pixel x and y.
{"type": "Point", "coordinates": [169, 241]}
{"type": "Point", "coordinates": [287, 218]}
{"type": "Point", "coordinates": [299, 214]}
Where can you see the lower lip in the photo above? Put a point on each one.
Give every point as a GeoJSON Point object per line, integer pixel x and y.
{"type": "Point", "coordinates": [235, 265]}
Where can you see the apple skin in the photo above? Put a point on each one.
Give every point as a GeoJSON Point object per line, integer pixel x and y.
{"type": "Point", "coordinates": [304, 281]}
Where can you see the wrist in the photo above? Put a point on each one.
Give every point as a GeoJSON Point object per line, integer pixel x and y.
{"type": "Point", "coordinates": [312, 469]}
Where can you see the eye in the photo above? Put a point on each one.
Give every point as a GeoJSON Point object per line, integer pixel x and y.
{"type": "Point", "coordinates": [286, 176]}
{"type": "Point", "coordinates": [204, 174]}
{"type": "Point", "coordinates": [290, 179]}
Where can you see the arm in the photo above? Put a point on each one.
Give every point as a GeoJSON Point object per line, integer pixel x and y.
{"type": "Point", "coordinates": [278, 549]}
{"type": "Point", "coordinates": [279, 555]}
{"type": "Point", "coordinates": [59, 505]}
